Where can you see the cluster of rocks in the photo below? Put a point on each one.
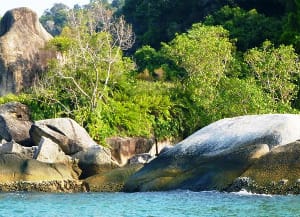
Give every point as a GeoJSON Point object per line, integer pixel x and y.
{"type": "Point", "coordinates": [60, 150]}
{"type": "Point", "coordinates": [282, 186]}
{"type": "Point", "coordinates": [259, 153]}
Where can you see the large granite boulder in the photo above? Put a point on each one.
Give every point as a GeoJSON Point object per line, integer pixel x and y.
{"type": "Point", "coordinates": [15, 167]}
{"type": "Point", "coordinates": [65, 132]}
{"type": "Point", "coordinates": [22, 58]}
{"type": "Point", "coordinates": [95, 160]}
{"type": "Point", "coordinates": [15, 123]}
{"type": "Point", "coordinates": [216, 155]}
{"type": "Point", "coordinates": [50, 152]}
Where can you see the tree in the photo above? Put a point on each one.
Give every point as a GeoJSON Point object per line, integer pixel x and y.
{"type": "Point", "coordinates": [117, 4]}
{"type": "Point", "coordinates": [276, 70]}
{"type": "Point", "coordinates": [291, 33]}
{"type": "Point", "coordinates": [55, 18]}
{"type": "Point", "coordinates": [155, 65]}
{"type": "Point", "coordinates": [237, 97]}
{"type": "Point", "coordinates": [89, 60]}
{"type": "Point", "coordinates": [157, 21]}
{"type": "Point", "coordinates": [204, 52]}
{"type": "Point", "coordinates": [250, 28]}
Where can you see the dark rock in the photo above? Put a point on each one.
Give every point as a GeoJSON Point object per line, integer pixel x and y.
{"type": "Point", "coordinates": [111, 181]}
{"type": "Point", "coordinates": [95, 160]}
{"type": "Point", "coordinates": [165, 149]}
{"type": "Point", "coordinates": [15, 123]}
{"type": "Point", "coordinates": [240, 183]}
{"type": "Point", "coordinates": [22, 58]}
{"type": "Point", "coordinates": [277, 172]}
{"type": "Point", "coordinates": [192, 172]}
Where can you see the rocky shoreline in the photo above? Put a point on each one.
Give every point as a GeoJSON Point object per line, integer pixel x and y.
{"type": "Point", "coordinates": [54, 186]}
{"type": "Point", "coordinates": [258, 153]}
{"type": "Point", "coordinates": [282, 187]}
{"type": "Point", "coordinates": [58, 155]}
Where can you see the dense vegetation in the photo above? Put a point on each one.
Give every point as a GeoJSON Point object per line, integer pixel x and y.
{"type": "Point", "coordinates": [189, 63]}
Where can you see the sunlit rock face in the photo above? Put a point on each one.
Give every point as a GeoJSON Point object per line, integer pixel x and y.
{"type": "Point", "coordinates": [226, 134]}
{"type": "Point", "coordinates": [22, 57]}
{"type": "Point", "coordinates": [213, 157]}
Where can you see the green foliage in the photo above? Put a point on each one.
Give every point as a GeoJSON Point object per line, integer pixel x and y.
{"type": "Point", "coordinates": [157, 21]}
{"type": "Point", "coordinates": [240, 97]}
{"type": "Point", "coordinates": [158, 65]}
{"type": "Point", "coordinates": [55, 19]}
{"type": "Point", "coordinates": [250, 28]}
{"type": "Point", "coordinates": [141, 109]}
{"type": "Point", "coordinates": [38, 109]}
{"type": "Point", "coordinates": [291, 33]}
{"type": "Point", "coordinates": [276, 70]}
{"type": "Point", "coordinates": [204, 53]}
{"type": "Point", "coordinates": [192, 80]}
{"type": "Point", "coordinates": [90, 82]}
{"type": "Point", "coordinates": [61, 43]}
{"type": "Point", "coordinates": [117, 4]}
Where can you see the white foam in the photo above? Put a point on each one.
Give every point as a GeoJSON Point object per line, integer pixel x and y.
{"type": "Point", "coordinates": [244, 192]}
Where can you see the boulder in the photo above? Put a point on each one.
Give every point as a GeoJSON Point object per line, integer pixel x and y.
{"type": "Point", "coordinates": [15, 168]}
{"type": "Point", "coordinates": [216, 155]}
{"type": "Point", "coordinates": [15, 123]}
{"type": "Point", "coordinates": [140, 159]}
{"type": "Point", "coordinates": [277, 172]}
{"type": "Point", "coordinates": [122, 149]}
{"type": "Point", "coordinates": [94, 160]}
{"type": "Point", "coordinates": [13, 147]}
{"type": "Point", "coordinates": [50, 152]}
{"type": "Point", "coordinates": [68, 134]}
{"type": "Point", "coordinates": [22, 58]}
{"type": "Point", "coordinates": [111, 181]}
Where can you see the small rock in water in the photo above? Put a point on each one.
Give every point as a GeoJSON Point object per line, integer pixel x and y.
{"type": "Point", "coordinates": [283, 182]}
{"type": "Point", "coordinates": [140, 159]}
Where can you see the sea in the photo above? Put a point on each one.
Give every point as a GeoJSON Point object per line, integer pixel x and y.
{"type": "Point", "coordinates": [149, 204]}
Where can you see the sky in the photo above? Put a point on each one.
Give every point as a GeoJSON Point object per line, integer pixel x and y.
{"type": "Point", "coordinates": [39, 6]}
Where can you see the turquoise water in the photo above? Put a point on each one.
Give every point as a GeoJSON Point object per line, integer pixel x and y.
{"type": "Point", "coordinates": [176, 203]}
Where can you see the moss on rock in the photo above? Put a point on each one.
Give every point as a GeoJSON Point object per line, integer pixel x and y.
{"type": "Point", "coordinates": [111, 181]}
{"type": "Point", "coordinates": [278, 172]}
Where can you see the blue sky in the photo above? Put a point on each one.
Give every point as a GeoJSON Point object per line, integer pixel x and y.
{"type": "Point", "coordinates": [38, 6]}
